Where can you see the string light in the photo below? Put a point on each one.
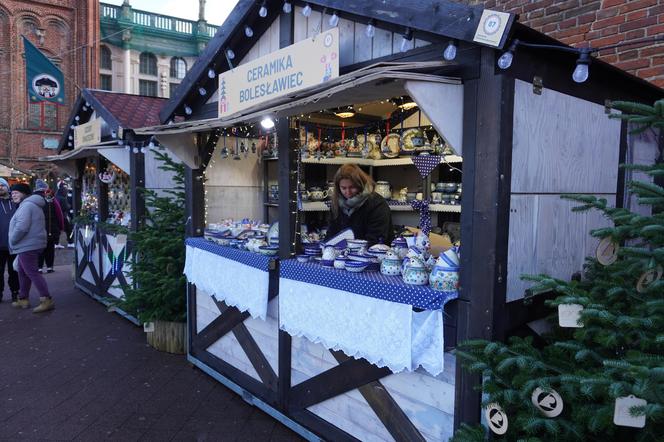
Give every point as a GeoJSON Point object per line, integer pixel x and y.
{"type": "Point", "coordinates": [211, 73]}
{"type": "Point", "coordinates": [202, 91]}
{"type": "Point", "coordinates": [287, 8]}
{"type": "Point", "coordinates": [230, 54]}
{"type": "Point", "coordinates": [187, 110]}
{"type": "Point", "coordinates": [334, 19]}
{"type": "Point", "coordinates": [306, 11]}
{"type": "Point", "coordinates": [406, 39]}
{"type": "Point", "coordinates": [370, 30]}
{"type": "Point", "coordinates": [505, 60]}
{"type": "Point", "coordinates": [580, 73]}
{"type": "Point", "coordinates": [248, 31]}
{"type": "Point", "coordinates": [450, 51]}
{"type": "Point", "coordinates": [263, 10]}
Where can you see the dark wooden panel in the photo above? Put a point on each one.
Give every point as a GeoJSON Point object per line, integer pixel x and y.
{"type": "Point", "coordinates": [344, 377]}
{"type": "Point", "coordinates": [388, 411]}
{"type": "Point", "coordinates": [622, 159]}
{"type": "Point", "coordinates": [102, 189]}
{"type": "Point", "coordinates": [221, 325]}
{"type": "Point", "coordinates": [137, 186]}
{"type": "Point", "coordinates": [192, 316]}
{"type": "Point", "coordinates": [326, 430]}
{"type": "Point", "coordinates": [256, 356]}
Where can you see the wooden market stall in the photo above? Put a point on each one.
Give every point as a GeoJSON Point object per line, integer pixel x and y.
{"type": "Point", "coordinates": [108, 164]}
{"type": "Point", "coordinates": [346, 356]}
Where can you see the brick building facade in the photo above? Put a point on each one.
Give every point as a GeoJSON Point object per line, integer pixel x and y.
{"type": "Point", "coordinates": [66, 31]}
{"type": "Point", "coordinates": [580, 23]}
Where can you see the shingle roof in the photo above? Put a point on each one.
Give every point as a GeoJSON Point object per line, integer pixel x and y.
{"type": "Point", "coordinates": [131, 111]}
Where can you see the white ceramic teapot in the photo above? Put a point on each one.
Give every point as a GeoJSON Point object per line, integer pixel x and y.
{"type": "Point", "coordinates": [383, 189]}
{"type": "Point", "coordinates": [391, 264]}
{"type": "Point", "coordinates": [415, 273]}
{"type": "Point", "coordinates": [445, 274]}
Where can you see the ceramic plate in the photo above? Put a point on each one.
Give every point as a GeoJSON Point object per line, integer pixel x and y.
{"type": "Point", "coordinates": [370, 143]}
{"type": "Point", "coordinates": [390, 146]}
{"type": "Point", "coordinates": [407, 144]}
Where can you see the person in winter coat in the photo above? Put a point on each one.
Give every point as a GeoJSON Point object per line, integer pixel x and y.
{"type": "Point", "coordinates": [27, 238]}
{"type": "Point", "coordinates": [355, 204]}
{"type": "Point", "coordinates": [7, 209]}
{"type": "Point", "coordinates": [54, 225]}
{"type": "Point", "coordinates": [62, 195]}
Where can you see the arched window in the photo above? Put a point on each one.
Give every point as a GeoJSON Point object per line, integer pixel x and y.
{"type": "Point", "coordinates": [105, 62]}
{"type": "Point", "coordinates": [178, 68]}
{"type": "Point", "coordinates": [148, 64]}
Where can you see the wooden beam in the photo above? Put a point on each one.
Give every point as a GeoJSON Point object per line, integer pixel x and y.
{"type": "Point", "coordinates": [101, 164]}
{"type": "Point", "coordinates": [136, 189]}
{"type": "Point", "coordinates": [256, 356]}
{"type": "Point", "coordinates": [221, 325]}
{"type": "Point", "coordinates": [320, 426]}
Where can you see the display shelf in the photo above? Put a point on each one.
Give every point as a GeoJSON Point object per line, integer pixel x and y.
{"type": "Point", "coordinates": [403, 161]}
{"type": "Point", "coordinates": [320, 206]}
{"type": "Point", "coordinates": [270, 158]}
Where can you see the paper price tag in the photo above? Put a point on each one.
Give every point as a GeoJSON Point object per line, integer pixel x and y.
{"type": "Point", "coordinates": [148, 327]}
{"type": "Point", "coordinates": [496, 418]}
{"type": "Point", "coordinates": [569, 315]}
{"type": "Point", "coordinates": [622, 416]}
{"type": "Point", "coordinates": [549, 403]}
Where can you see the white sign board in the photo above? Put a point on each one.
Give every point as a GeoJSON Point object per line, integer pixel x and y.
{"type": "Point", "coordinates": [304, 64]}
{"type": "Point", "coordinates": [491, 28]}
{"type": "Point", "coordinates": [87, 134]}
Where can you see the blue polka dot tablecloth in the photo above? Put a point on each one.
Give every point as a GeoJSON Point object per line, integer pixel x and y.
{"type": "Point", "coordinates": [261, 262]}
{"type": "Point", "coordinates": [373, 284]}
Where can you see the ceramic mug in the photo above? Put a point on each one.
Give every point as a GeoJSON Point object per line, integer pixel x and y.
{"type": "Point", "coordinates": [437, 197]}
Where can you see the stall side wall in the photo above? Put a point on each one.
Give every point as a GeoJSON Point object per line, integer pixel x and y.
{"type": "Point", "coordinates": [561, 145]}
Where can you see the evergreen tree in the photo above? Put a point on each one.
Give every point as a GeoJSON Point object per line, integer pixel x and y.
{"type": "Point", "coordinates": [619, 349]}
{"type": "Point", "coordinates": [159, 287]}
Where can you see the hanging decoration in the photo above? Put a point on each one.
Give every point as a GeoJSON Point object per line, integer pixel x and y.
{"type": "Point", "coordinates": [496, 418]}
{"type": "Point", "coordinates": [425, 215]}
{"type": "Point", "coordinates": [648, 278]}
{"type": "Point", "coordinates": [569, 315]}
{"type": "Point", "coordinates": [549, 403]}
{"type": "Point", "coordinates": [607, 251]}
{"type": "Point", "coordinates": [622, 415]}
{"type": "Point", "coordinates": [107, 176]}
{"type": "Point", "coordinates": [425, 164]}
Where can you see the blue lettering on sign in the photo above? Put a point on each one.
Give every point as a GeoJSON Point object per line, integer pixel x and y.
{"type": "Point", "coordinates": [277, 86]}
{"type": "Point", "coordinates": [268, 69]}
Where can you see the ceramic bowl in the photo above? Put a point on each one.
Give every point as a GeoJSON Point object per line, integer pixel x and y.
{"type": "Point", "coordinates": [303, 258]}
{"type": "Point", "coordinates": [269, 250]}
{"type": "Point", "coordinates": [366, 258]}
{"type": "Point", "coordinates": [340, 262]}
{"type": "Point", "coordinates": [355, 266]}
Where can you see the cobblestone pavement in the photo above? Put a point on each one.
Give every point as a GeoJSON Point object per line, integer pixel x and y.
{"type": "Point", "coordinates": [81, 373]}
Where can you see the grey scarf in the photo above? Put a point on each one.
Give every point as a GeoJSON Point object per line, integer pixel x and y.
{"type": "Point", "coordinates": [350, 205]}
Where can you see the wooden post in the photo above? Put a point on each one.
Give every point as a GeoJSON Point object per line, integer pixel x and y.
{"type": "Point", "coordinates": [77, 189]}
{"type": "Point", "coordinates": [102, 189]}
{"type": "Point", "coordinates": [487, 121]}
{"type": "Point", "coordinates": [194, 186]}
{"type": "Point", "coordinates": [137, 186]}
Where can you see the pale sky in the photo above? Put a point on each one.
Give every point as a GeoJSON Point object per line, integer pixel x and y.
{"type": "Point", "coordinates": [216, 11]}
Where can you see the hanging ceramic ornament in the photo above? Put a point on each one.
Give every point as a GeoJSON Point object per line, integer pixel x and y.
{"type": "Point", "coordinates": [496, 418]}
{"type": "Point", "coordinates": [607, 251]}
{"type": "Point", "coordinates": [648, 278]}
{"type": "Point", "coordinates": [569, 315]}
{"type": "Point", "coordinates": [549, 403]}
{"type": "Point", "coordinates": [622, 416]}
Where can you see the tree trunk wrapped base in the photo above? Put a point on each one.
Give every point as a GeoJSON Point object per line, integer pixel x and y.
{"type": "Point", "coordinates": [168, 336]}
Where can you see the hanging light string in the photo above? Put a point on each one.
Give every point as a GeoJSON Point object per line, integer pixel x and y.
{"type": "Point", "coordinates": [580, 73]}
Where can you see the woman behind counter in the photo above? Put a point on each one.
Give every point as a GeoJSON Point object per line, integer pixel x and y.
{"type": "Point", "coordinates": [356, 205]}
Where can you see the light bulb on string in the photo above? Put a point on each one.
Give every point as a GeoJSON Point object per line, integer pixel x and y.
{"type": "Point", "coordinates": [450, 51]}
{"type": "Point", "coordinates": [334, 19]}
{"type": "Point", "coordinates": [248, 31]}
{"type": "Point", "coordinates": [287, 8]}
{"type": "Point", "coordinates": [202, 91]}
{"type": "Point", "coordinates": [581, 72]}
{"type": "Point", "coordinates": [230, 54]}
{"type": "Point", "coordinates": [263, 10]}
{"type": "Point", "coordinates": [211, 73]}
{"type": "Point", "coordinates": [187, 110]}
{"type": "Point", "coordinates": [406, 39]}
{"type": "Point", "coordinates": [370, 30]}
{"type": "Point", "coordinates": [135, 149]}
{"type": "Point", "coordinates": [306, 11]}
{"type": "Point", "coordinates": [505, 60]}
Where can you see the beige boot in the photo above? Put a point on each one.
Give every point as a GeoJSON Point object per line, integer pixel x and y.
{"type": "Point", "coordinates": [45, 304]}
{"type": "Point", "coordinates": [21, 303]}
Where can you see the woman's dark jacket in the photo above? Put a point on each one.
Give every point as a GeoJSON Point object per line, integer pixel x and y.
{"type": "Point", "coordinates": [372, 221]}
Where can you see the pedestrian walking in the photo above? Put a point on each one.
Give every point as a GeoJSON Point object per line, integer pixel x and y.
{"type": "Point", "coordinates": [54, 225]}
{"type": "Point", "coordinates": [7, 209]}
{"type": "Point", "coordinates": [27, 238]}
{"type": "Point", "coordinates": [62, 195]}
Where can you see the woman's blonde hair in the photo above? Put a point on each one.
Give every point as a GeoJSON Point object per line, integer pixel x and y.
{"type": "Point", "coordinates": [357, 176]}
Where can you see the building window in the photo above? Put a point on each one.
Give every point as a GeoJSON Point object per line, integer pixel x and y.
{"type": "Point", "coordinates": [106, 82]}
{"type": "Point", "coordinates": [148, 64]}
{"type": "Point", "coordinates": [172, 88]}
{"type": "Point", "coordinates": [178, 68]}
{"type": "Point", "coordinates": [43, 116]}
{"type": "Point", "coordinates": [106, 62]}
{"type": "Point", "coordinates": [147, 87]}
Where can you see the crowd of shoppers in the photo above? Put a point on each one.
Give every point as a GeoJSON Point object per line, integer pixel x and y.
{"type": "Point", "coordinates": [30, 228]}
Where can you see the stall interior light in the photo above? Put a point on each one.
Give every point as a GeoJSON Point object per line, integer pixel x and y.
{"type": "Point", "coordinates": [263, 10]}
{"type": "Point", "coordinates": [334, 19]}
{"type": "Point", "coordinates": [406, 38]}
{"type": "Point", "coordinates": [345, 112]}
{"type": "Point", "coordinates": [287, 8]}
{"type": "Point", "coordinates": [505, 60]}
{"type": "Point", "coordinates": [370, 30]}
{"type": "Point", "coordinates": [580, 73]}
{"type": "Point", "coordinates": [248, 31]}
{"type": "Point", "coordinates": [267, 123]}
{"type": "Point", "coordinates": [306, 11]}
{"type": "Point", "coordinates": [450, 52]}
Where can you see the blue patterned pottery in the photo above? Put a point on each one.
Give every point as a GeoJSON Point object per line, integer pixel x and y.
{"type": "Point", "coordinates": [445, 274]}
{"type": "Point", "coordinates": [415, 272]}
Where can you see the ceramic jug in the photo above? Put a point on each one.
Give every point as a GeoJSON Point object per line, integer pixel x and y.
{"type": "Point", "coordinates": [391, 264]}
{"type": "Point", "coordinates": [415, 272]}
{"type": "Point", "coordinates": [330, 253]}
{"type": "Point", "coordinates": [445, 274]}
{"type": "Point", "coordinates": [400, 246]}
{"type": "Point", "coordinates": [383, 189]}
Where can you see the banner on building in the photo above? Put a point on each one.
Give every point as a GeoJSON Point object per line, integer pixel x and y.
{"type": "Point", "coordinates": [45, 81]}
{"type": "Point", "coordinates": [304, 64]}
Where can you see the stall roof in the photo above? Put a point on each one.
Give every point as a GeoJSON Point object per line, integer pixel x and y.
{"type": "Point", "coordinates": [385, 79]}
{"type": "Point", "coordinates": [81, 152]}
{"type": "Point", "coordinates": [447, 19]}
{"type": "Point", "coordinates": [116, 109]}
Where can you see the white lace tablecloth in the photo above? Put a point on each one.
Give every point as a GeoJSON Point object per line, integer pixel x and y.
{"type": "Point", "coordinates": [237, 284]}
{"type": "Point", "coordinates": [386, 333]}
